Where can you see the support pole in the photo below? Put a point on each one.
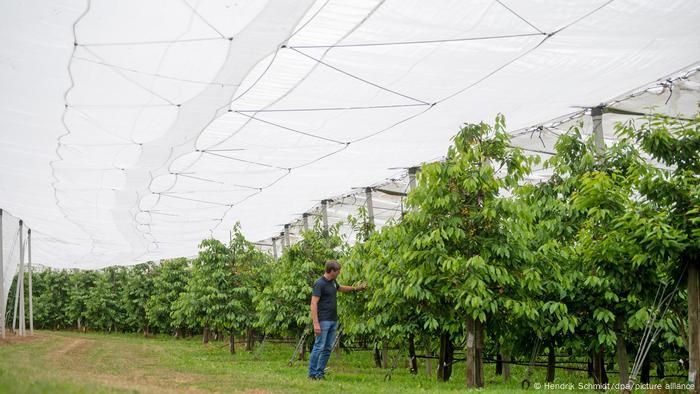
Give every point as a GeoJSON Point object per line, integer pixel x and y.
{"type": "Point", "coordinates": [20, 281]}
{"type": "Point", "coordinates": [3, 299]}
{"type": "Point", "coordinates": [18, 285]}
{"type": "Point", "coordinates": [274, 248]}
{"type": "Point", "coordinates": [412, 178]}
{"type": "Point", "coordinates": [324, 213]}
{"type": "Point", "coordinates": [286, 235]}
{"type": "Point", "coordinates": [282, 242]}
{"type": "Point", "coordinates": [370, 206]}
{"type": "Point", "coordinates": [597, 116]}
{"type": "Point", "coordinates": [29, 269]}
{"type": "Point", "coordinates": [305, 219]}
{"type": "Point", "coordinates": [14, 308]}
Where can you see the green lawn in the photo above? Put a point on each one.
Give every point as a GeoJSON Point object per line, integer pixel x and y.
{"type": "Point", "coordinates": [67, 362]}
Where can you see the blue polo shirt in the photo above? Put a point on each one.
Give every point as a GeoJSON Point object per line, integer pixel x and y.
{"type": "Point", "coordinates": [327, 305]}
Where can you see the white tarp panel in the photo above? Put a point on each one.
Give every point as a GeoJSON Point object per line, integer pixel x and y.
{"type": "Point", "coordinates": [131, 130]}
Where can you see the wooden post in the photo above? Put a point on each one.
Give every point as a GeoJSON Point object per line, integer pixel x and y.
{"type": "Point", "coordinates": [286, 235]}
{"type": "Point", "coordinates": [282, 242]}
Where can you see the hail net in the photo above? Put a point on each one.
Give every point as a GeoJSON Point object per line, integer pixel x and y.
{"type": "Point", "coordinates": [141, 128]}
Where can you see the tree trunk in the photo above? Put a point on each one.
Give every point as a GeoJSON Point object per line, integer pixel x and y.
{"type": "Point", "coordinates": [499, 363]}
{"type": "Point", "coordinates": [446, 356]}
{"type": "Point", "coordinates": [622, 359]}
{"type": "Point", "coordinates": [603, 372]}
{"type": "Point", "coordinates": [693, 316]}
{"type": "Point", "coordinates": [205, 336]}
{"type": "Point", "coordinates": [309, 345]}
{"type": "Point", "coordinates": [506, 368]}
{"type": "Point", "coordinates": [302, 353]}
{"type": "Point", "coordinates": [385, 354]}
{"type": "Point", "coordinates": [78, 324]}
{"type": "Point", "coordinates": [551, 362]}
{"type": "Point", "coordinates": [478, 354]}
{"type": "Point", "coordinates": [232, 344]}
{"type": "Point", "coordinates": [249, 339]}
{"type": "Point", "coordinates": [428, 361]}
{"type": "Point", "coordinates": [412, 355]}
{"type": "Point", "coordinates": [178, 333]}
{"type": "Point", "coordinates": [377, 357]}
{"type": "Point", "coordinates": [660, 370]}
{"type": "Point", "coordinates": [469, 355]}
{"type": "Point", "coordinates": [646, 368]}
{"type": "Point", "coordinates": [599, 374]}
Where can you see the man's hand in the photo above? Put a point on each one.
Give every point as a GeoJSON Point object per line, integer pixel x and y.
{"type": "Point", "coordinates": [317, 329]}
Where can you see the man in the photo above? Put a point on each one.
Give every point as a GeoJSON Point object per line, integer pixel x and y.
{"type": "Point", "coordinates": [324, 313]}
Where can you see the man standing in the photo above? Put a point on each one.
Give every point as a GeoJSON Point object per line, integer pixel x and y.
{"type": "Point", "coordinates": [324, 313]}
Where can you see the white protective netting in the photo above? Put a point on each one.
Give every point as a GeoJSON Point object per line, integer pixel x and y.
{"type": "Point", "coordinates": [675, 96]}
{"type": "Point", "coordinates": [131, 130]}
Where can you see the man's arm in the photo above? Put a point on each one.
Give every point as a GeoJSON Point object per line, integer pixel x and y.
{"type": "Point", "coordinates": [314, 314]}
{"type": "Point", "coordinates": [347, 289]}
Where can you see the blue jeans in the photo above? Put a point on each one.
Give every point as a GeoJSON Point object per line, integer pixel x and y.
{"type": "Point", "coordinates": [322, 348]}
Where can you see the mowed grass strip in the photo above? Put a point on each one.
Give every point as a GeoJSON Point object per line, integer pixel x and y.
{"type": "Point", "coordinates": [69, 362]}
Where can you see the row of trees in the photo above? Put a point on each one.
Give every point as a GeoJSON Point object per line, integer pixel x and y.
{"type": "Point", "coordinates": [588, 261]}
{"type": "Point", "coordinates": [483, 262]}
{"type": "Point", "coordinates": [230, 290]}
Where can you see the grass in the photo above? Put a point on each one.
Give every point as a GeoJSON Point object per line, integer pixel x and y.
{"type": "Point", "coordinates": [69, 362]}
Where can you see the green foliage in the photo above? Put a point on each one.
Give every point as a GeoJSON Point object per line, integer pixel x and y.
{"type": "Point", "coordinates": [51, 299]}
{"type": "Point", "coordinates": [79, 285]}
{"type": "Point", "coordinates": [169, 281]}
{"type": "Point", "coordinates": [283, 306]}
{"type": "Point", "coordinates": [135, 293]}
{"type": "Point", "coordinates": [222, 285]}
{"type": "Point", "coordinates": [103, 310]}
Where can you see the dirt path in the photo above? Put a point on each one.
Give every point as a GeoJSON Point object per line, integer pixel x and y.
{"type": "Point", "coordinates": [11, 339]}
{"type": "Point", "coordinates": [68, 348]}
{"type": "Point", "coordinates": [85, 359]}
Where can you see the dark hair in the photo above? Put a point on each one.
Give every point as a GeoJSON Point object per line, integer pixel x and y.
{"type": "Point", "coordinates": [332, 265]}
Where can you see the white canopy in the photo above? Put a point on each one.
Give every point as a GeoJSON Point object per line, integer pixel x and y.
{"type": "Point", "coordinates": [131, 130]}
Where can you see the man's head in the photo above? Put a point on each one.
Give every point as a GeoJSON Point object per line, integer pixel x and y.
{"type": "Point", "coordinates": [332, 269]}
